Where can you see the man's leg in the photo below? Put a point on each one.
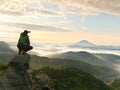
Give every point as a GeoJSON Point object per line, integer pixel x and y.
{"type": "Point", "coordinates": [19, 52]}
{"type": "Point", "coordinates": [29, 48]}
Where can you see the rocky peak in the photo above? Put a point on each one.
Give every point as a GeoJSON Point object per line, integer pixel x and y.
{"type": "Point", "coordinates": [18, 76]}
{"type": "Point", "coordinates": [20, 63]}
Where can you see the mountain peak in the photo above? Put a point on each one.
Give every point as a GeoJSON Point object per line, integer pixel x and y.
{"type": "Point", "coordinates": [85, 43]}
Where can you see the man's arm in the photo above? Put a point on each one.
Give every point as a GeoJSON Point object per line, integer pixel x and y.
{"type": "Point", "coordinates": [28, 41]}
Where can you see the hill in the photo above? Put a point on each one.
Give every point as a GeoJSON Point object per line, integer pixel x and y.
{"type": "Point", "coordinates": [17, 75]}
{"type": "Point", "coordinates": [109, 58]}
{"type": "Point", "coordinates": [5, 58]}
{"type": "Point", "coordinates": [99, 59]}
{"type": "Point", "coordinates": [84, 57]}
{"type": "Point", "coordinates": [104, 73]}
{"type": "Point", "coordinates": [116, 84]}
{"type": "Point", "coordinates": [73, 79]}
{"type": "Point", "coordinates": [5, 49]}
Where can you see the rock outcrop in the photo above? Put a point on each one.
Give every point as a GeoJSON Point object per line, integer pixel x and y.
{"type": "Point", "coordinates": [18, 76]}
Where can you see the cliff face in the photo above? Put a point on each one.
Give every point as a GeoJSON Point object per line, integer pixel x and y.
{"type": "Point", "coordinates": [18, 76]}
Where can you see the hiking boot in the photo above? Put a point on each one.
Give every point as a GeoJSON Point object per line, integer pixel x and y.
{"type": "Point", "coordinates": [23, 52]}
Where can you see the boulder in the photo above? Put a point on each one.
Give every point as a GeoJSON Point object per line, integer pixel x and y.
{"type": "Point", "coordinates": [18, 76]}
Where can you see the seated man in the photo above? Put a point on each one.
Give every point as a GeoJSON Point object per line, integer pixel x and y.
{"type": "Point", "coordinates": [24, 42]}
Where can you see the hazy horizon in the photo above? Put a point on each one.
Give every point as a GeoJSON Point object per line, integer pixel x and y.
{"type": "Point", "coordinates": [46, 49]}
{"type": "Point", "coordinates": [60, 21]}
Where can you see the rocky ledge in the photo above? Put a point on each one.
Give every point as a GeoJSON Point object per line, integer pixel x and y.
{"type": "Point", "coordinates": [18, 76]}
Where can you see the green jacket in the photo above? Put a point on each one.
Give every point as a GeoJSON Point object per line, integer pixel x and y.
{"type": "Point", "coordinates": [24, 39]}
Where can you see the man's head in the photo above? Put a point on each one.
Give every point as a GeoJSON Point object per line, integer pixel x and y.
{"type": "Point", "coordinates": [26, 31]}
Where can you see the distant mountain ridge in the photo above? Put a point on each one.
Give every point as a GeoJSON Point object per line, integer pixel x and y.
{"type": "Point", "coordinates": [3, 45]}
{"type": "Point", "coordinates": [91, 58]}
{"type": "Point", "coordinates": [104, 73]}
{"type": "Point", "coordinates": [103, 60]}
{"type": "Point", "coordinates": [84, 57]}
{"type": "Point", "coordinates": [88, 44]}
{"type": "Point", "coordinates": [85, 43]}
{"type": "Point", "coordinates": [5, 49]}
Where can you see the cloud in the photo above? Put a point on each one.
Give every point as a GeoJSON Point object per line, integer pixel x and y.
{"type": "Point", "coordinates": [13, 13]}
{"type": "Point", "coordinates": [90, 7]}
{"type": "Point", "coordinates": [34, 27]}
{"type": "Point", "coordinates": [24, 7]}
{"type": "Point", "coordinates": [81, 7]}
{"type": "Point", "coordinates": [48, 12]}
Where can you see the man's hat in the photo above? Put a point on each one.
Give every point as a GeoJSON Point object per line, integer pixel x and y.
{"type": "Point", "coordinates": [26, 31]}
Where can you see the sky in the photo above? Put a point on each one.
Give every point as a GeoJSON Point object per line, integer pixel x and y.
{"type": "Point", "coordinates": [61, 21]}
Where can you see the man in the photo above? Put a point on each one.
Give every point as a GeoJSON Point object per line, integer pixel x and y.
{"type": "Point", "coordinates": [24, 42]}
